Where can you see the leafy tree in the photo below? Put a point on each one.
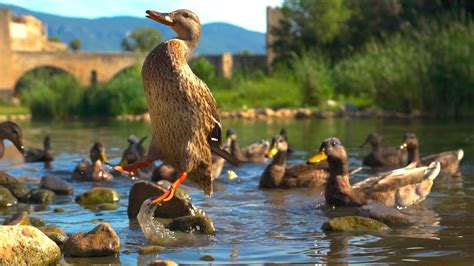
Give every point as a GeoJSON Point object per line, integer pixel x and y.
{"type": "Point", "coordinates": [205, 70]}
{"type": "Point", "coordinates": [142, 40]}
{"type": "Point", "coordinates": [54, 39]}
{"type": "Point", "coordinates": [75, 45]}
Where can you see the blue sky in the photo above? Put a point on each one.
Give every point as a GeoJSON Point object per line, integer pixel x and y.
{"type": "Point", "coordinates": [249, 14]}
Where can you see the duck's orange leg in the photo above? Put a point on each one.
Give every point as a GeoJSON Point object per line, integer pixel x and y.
{"type": "Point", "coordinates": [131, 169]}
{"type": "Point", "coordinates": [168, 195]}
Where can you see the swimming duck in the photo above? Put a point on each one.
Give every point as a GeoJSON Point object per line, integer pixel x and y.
{"type": "Point", "coordinates": [401, 187]}
{"type": "Point", "coordinates": [91, 169]}
{"type": "Point", "coordinates": [278, 175]}
{"type": "Point", "coordinates": [135, 152]}
{"type": "Point", "coordinates": [254, 153]}
{"type": "Point", "coordinates": [383, 156]}
{"type": "Point", "coordinates": [183, 112]}
{"type": "Point", "coordinates": [40, 155]}
{"type": "Point", "coordinates": [12, 132]}
{"type": "Point", "coordinates": [449, 160]}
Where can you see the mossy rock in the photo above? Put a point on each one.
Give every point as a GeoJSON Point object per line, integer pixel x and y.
{"type": "Point", "coordinates": [98, 195]}
{"type": "Point", "coordinates": [54, 233]}
{"type": "Point", "coordinates": [354, 224]}
{"type": "Point", "coordinates": [199, 223]}
{"type": "Point", "coordinates": [37, 222]}
{"type": "Point", "coordinates": [107, 206]}
{"type": "Point", "coordinates": [41, 196]}
{"type": "Point", "coordinates": [20, 191]}
{"type": "Point", "coordinates": [151, 250]}
{"type": "Point", "coordinates": [6, 198]}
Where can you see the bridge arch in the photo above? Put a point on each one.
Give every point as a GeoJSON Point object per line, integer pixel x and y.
{"type": "Point", "coordinates": [39, 71]}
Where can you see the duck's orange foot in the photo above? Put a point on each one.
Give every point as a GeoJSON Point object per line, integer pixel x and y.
{"type": "Point", "coordinates": [131, 169]}
{"type": "Point", "coordinates": [168, 195]}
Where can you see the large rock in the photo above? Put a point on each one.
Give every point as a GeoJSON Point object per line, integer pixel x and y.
{"type": "Point", "coordinates": [98, 195]}
{"type": "Point", "coordinates": [101, 241]}
{"type": "Point", "coordinates": [17, 188]}
{"type": "Point", "coordinates": [6, 198]}
{"type": "Point", "coordinates": [387, 215]}
{"type": "Point", "coordinates": [178, 206]}
{"type": "Point", "coordinates": [198, 223]}
{"type": "Point", "coordinates": [354, 224]}
{"type": "Point", "coordinates": [21, 218]}
{"type": "Point", "coordinates": [41, 196]}
{"type": "Point", "coordinates": [56, 184]}
{"type": "Point", "coordinates": [26, 245]}
{"type": "Point", "coordinates": [54, 233]}
{"type": "Point", "coordinates": [6, 179]}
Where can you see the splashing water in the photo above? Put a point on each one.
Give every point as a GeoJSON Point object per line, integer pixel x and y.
{"type": "Point", "coordinates": [157, 234]}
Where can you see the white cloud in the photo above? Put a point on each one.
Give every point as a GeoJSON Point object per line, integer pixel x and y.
{"type": "Point", "coordinates": [250, 14]}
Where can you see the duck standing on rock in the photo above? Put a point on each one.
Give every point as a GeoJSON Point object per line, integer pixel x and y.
{"type": "Point", "coordinates": [11, 131]}
{"type": "Point", "coordinates": [383, 156]}
{"type": "Point", "coordinates": [449, 160]}
{"type": "Point", "coordinates": [278, 175]}
{"type": "Point", "coordinates": [40, 155]}
{"type": "Point", "coordinates": [401, 187]}
{"type": "Point", "coordinates": [183, 112]}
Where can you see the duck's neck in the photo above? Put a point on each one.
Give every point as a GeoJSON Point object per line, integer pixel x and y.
{"type": "Point", "coordinates": [338, 190]}
{"type": "Point", "coordinates": [413, 155]}
{"type": "Point", "coordinates": [235, 150]}
{"type": "Point", "coordinates": [47, 145]}
{"type": "Point", "coordinates": [280, 158]}
{"type": "Point", "coordinates": [2, 148]}
{"type": "Point", "coordinates": [375, 147]}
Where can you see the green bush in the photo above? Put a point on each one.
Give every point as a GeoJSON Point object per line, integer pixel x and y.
{"type": "Point", "coordinates": [204, 70]}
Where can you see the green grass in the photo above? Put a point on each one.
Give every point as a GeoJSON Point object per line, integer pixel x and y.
{"type": "Point", "coordinates": [13, 110]}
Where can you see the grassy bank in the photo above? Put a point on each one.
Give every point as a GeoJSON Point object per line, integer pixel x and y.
{"type": "Point", "coordinates": [429, 70]}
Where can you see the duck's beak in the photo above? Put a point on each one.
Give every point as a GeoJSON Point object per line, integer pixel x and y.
{"type": "Point", "coordinates": [403, 146]}
{"type": "Point", "coordinates": [19, 146]}
{"type": "Point", "coordinates": [272, 152]}
{"type": "Point", "coordinates": [103, 157]}
{"type": "Point", "coordinates": [163, 18]}
{"type": "Point", "coordinates": [321, 156]}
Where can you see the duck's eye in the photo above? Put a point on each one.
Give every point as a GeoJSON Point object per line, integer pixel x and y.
{"type": "Point", "coordinates": [334, 144]}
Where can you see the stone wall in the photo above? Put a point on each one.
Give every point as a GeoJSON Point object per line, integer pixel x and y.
{"type": "Point", "coordinates": [274, 18]}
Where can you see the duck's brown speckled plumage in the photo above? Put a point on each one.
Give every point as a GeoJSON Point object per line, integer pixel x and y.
{"type": "Point", "coordinates": [383, 156]}
{"type": "Point", "coordinates": [449, 160]}
{"type": "Point", "coordinates": [401, 187]}
{"type": "Point", "coordinates": [278, 175]}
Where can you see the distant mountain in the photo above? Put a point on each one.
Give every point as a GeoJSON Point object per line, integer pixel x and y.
{"type": "Point", "coordinates": [106, 34]}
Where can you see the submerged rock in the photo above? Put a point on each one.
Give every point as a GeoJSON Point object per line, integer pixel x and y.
{"type": "Point", "coordinates": [178, 206]}
{"type": "Point", "coordinates": [37, 222]}
{"type": "Point", "coordinates": [18, 189]}
{"type": "Point", "coordinates": [199, 223]}
{"type": "Point", "coordinates": [54, 233]}
{"type": "Point", "coordinates": [41, 196]}
{"type": "Point", "coordinates": [354, 224]}
{"type": "Point", "coordinates": [101, 241]}
{"type": "Point", "coordinates": [98, 195]}
{"type": "Point", "coordinates": [6, 198]}
{"type": "Point", "coordinates": [21, 218]}
{"type": "Point", "coordinates": [6, 179]}
{"type": "Point", "coordinates": [151, 249]}
{"type": "Point", "coordinates": [26, 245]}
{"type": "Point", "coordinates": [387, 215]}
{"type": "Point", "coordinates": [56, 184]}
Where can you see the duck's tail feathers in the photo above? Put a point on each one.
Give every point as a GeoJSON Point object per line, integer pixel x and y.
{"type": "Point", "coordinates": [224, 154]}
{"type": "Point", "coordinates": [460, 154]}
{"type": "Point", "coordinates": [434, 168]}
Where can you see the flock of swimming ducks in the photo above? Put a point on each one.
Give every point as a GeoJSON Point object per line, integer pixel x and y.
{"type": "Point", "coordinates": [187, 137]}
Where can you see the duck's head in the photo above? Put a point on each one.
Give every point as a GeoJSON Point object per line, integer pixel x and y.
{"type": "Point", "coordinates": [184, 22]}
{"type": "Point", "coordinates": [134, 152]}
{"type": "Point", "coordinates": [284, 133]}
{"type": "Point", "coordinates": [97, 153]}
{"type": "Point", "coordinates": [332, 151]}
{"type": "Point", "coordinates": [279, 144]}
{"type": "Point", "coordinates": [373, 139]}
{"type": "Point", "coordinates": [11, 131]}
{"type": "Point", "coordinates": [410, 142]}
{"type": "Point", "coordinates": [231, 135]}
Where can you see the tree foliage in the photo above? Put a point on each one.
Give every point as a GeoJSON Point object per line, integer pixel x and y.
{"type": "Point", "coordinates": [75, 45]}
{"type": "Point", "coordinates": [142, 40]}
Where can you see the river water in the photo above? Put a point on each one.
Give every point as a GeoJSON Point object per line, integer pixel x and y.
{"type": "Point", "coordinates": [263, 226]}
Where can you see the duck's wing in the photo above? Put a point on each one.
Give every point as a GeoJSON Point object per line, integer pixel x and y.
{"type": "Point", "coordinates": [302, 175]}
{"type": "Point", "coordinates": [215, 136]}
{"type": "Point", "coordinates": [446, 159]}
{"type": "Point", "coordinates": [399, 178]}
{"type": "Point", "coordinates": [392, 156]}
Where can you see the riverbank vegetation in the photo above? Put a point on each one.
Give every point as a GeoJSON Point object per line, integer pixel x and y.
{"type": "Point", "coordinates": [396, 55]}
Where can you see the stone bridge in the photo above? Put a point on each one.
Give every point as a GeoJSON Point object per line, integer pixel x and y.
{"type": "Point", "coordinates": [84, 66]}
